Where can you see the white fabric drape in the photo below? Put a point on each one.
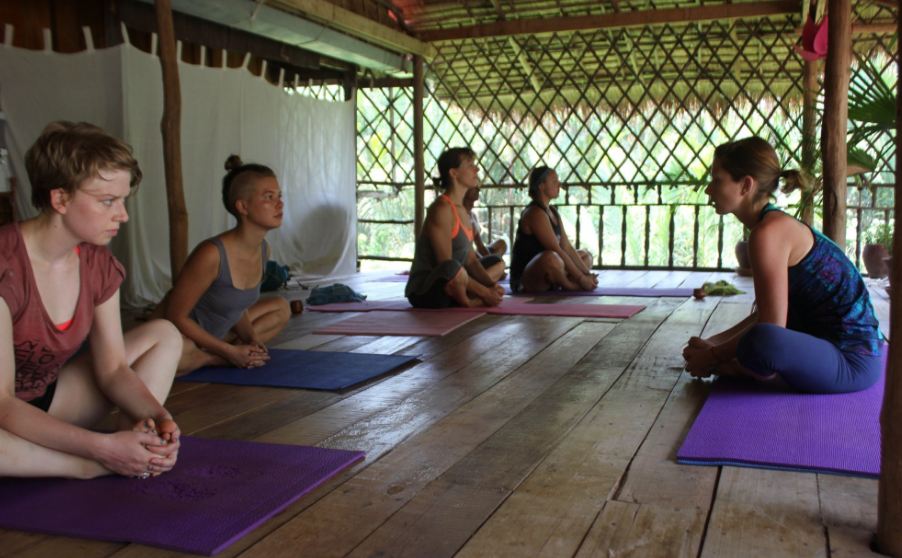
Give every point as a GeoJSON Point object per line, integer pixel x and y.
{"type": "Point", "coordinates": [308, 143]}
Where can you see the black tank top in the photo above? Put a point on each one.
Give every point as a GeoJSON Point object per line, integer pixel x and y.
{"type": "Point", "coordinates": [527, 246]}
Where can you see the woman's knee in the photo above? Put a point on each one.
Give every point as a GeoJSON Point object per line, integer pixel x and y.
{"type": "Point", "coordinates": [165, 333]}
{"type": "Point", "coordinates": [549, 260]}
{"type": "Point", "coordinates": [155, 335]}
{"type": "Point", "coordinates": [759, 340]}
{"type": "Point", "coordinates": [281, 308]}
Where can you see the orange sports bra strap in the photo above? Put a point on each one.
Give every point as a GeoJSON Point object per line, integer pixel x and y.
{"type": "Point", "coordinates": [456, 228]}
{"type": "Point", "coordinates": [457, 223]}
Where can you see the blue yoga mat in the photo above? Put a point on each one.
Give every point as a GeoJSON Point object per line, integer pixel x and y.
{"type": "Point", "coordinates": [305, 370]}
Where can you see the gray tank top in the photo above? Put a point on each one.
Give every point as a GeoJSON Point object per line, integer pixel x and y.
{"type": "Point", "coordinates": [425, 267]}
{"type": "Point", "coordinates": [221, 305]}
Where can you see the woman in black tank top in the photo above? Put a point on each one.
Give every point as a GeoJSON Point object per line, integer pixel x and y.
{"type": "Point", "coordinates": [543, 258]}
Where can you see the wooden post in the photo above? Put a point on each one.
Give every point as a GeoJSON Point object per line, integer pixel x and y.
{"type": "Point", "coordinates": [809, 135]}
{"type": "Point", "coordinates": [418, 147]}
{"type": "Point", "coordinates": [889, 506]}
{"type": "Point", "coordinates": [170, 126]}
{"type": "Point", "coordinates": [836, 112]}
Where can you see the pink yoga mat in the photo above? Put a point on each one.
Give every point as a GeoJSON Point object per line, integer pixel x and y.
{"type": "Point", "coordinates": [406, 322]}
{"type": "Point", "coordinates": [510, 305]}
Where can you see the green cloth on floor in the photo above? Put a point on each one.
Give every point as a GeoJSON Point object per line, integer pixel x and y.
{"type": "Point", "coordinates": [721, 288]}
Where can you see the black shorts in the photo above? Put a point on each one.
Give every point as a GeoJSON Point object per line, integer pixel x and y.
{"type": "Point", "coordinates": [490, 260]}
{"type": "Point", "coordinates": [434, 297]}
{"type": "Point", "coordinates": [43, 402]}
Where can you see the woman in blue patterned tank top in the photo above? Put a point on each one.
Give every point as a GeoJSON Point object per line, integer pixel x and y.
{"type": "Point", "coordinates": [814, 327]}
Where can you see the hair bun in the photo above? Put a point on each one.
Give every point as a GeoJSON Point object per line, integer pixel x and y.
{"type": "Point", "coordinates": [233, 162]}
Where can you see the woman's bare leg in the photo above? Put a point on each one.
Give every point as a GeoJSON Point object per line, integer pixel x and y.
{"type": "Point", "coordinates": [152, 350]}
{"type": "Point", "coordinates": [545, 271]}
{"type": "Point", "coordinates": [269, 316]}
{"type": "Point", "coordinates": [499, 247]}
{"type": "Point", "coordinates": [496, 271]}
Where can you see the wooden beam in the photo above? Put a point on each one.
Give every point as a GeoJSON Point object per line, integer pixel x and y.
{"type": "Point", "coordinates": [809, 134]}
{"type": "Point", "coordinates": [614, 20]}
{"type": "Point", "coordinates": [170, 126]}
{"type": "Point", "coordinates": [357, 26]}
{"type": "Point", "coordinates": [193, 30]}
{"type": "Point", "coordinates": [379, 83]}
{"type": "Point", "coordinates": [526, 65]}
{"type": "Point", "coordinates": [419, 164]}
{"type": "Point", "coordinates": [889, 501]}
{"type": "Point", "coordinates": [873, 28]}
{"type": "Point", "coordinates": [836, 112]}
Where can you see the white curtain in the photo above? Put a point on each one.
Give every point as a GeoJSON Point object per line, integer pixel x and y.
{"type": "Point", "coordinates": [308, 143]}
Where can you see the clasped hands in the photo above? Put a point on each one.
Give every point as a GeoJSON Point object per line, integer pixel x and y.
{"type": "Point", "coordinates": [701, 361]}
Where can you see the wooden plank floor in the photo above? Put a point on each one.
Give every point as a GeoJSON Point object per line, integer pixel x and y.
{"type": "Point", "coordinates": [518, 436]}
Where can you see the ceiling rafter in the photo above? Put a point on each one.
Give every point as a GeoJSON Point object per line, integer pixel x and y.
{"type": "Point", "coordinates": [614, 20]}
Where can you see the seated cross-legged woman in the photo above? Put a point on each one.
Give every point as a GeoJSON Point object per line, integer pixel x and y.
{"type": "Point", "coordinates": [215, 301]}
{"type": "Point", "coordinates": [59, 286]}
{"type": "Point", "coordinates": [445, 270]}
{"type": "Point", "coordinates": [489, 256]}
{"type": "Point", "coordinates": [814, 327]}
{"type": "Point", "coordinates": [543, 258]}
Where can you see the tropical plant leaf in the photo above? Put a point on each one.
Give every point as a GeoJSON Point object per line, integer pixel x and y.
{"type": "Point", "coordinates": [860, 161]}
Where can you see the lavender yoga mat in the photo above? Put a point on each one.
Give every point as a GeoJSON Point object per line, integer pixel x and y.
{"type": "Point", "coordinates": [747, 424]}
{"type": "Point", "coordinates": [510, 305]}
{"type": "Point", "coordinates": [218, 492]}
{"type": "Point", "coordinates": [304, 370]}
{"type": "Point", "coordinates": [619, 291]}
{"type": "Point", "coordinates": [600, 291]}
{"type": "Point", "coordinates": [407, 322]}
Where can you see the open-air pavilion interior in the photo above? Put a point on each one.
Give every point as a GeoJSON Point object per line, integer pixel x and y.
{"type": "Point", "coordinates": [513, 435]}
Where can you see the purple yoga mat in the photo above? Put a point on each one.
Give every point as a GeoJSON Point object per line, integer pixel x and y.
{"type": "Point", "coordinates": [516, 306]}
{"type": "Point", "coordinates": [218, 492]}
{"type": "Point", "coordinates": [748, 424]}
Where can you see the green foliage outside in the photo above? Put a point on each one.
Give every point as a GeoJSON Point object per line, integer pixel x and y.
{"type": "Point", "coordinates": [648, 167]}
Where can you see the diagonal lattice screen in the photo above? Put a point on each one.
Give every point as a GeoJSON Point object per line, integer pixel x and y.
{"type": "Point", "coordinates": [628, 118]}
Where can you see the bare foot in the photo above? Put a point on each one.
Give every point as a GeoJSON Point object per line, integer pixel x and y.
{"type": "Point", "coordinates": [194, 357]}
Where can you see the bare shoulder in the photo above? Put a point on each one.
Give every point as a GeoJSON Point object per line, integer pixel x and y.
{"type": "Point", "coordinates": [439, 211]}
{"type": "Point", "coordinates": [534, 215]}
{"type": "Point", "coordinates": [204, 257]}
{"type": "Point", "coordinates": [779, 233]}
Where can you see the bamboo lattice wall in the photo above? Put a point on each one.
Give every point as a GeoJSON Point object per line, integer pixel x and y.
{"type": "Point", "coordinates": [628, 117]}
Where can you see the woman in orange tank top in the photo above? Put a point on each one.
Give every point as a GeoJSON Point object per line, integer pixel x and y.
{"type": "Point", "coordinates": [445, 270]}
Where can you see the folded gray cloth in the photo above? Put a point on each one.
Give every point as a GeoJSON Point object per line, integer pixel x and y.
{"type": "Point", "coordinates": [334, 293]}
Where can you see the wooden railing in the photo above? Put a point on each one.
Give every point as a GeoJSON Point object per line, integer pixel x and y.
{"type": "Point", "coordinates": [635, 226]}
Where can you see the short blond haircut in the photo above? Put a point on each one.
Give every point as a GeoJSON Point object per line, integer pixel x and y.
{"type": "Point", "coordinates": [68, 153]}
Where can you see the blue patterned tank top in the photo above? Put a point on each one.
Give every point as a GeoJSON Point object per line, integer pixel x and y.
{"type": "Point", "coordinates": [828, 298]}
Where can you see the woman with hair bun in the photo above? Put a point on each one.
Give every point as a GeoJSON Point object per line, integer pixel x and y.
{"type": "Point", "coordinates": [814, 327]}
{"type": "Point", "coordinates": [445, 270]}
{"type": "Point", "coordinates": [215, 301]}
{"type": "Point", "coordinates": [543, 258]}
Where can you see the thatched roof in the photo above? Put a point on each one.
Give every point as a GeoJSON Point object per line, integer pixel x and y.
{"type": "Point", "coordinates": [509, 55]}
